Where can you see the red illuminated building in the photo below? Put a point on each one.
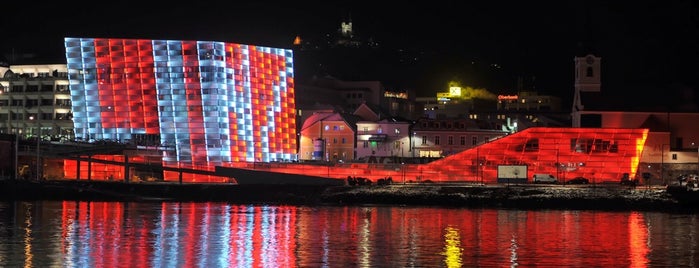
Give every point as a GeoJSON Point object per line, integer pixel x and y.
{"type": "Point", "coordinates": [600, 155]}
{"type": "Point", "coordinates": [214, 107]}
{"type": "Point", "coordinates": [207, 103]}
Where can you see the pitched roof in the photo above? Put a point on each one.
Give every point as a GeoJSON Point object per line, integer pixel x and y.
{"type": "Point", "coordinates": [350, 119]}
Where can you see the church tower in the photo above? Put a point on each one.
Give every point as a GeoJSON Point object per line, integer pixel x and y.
{"type": "Point", "coordinates": [587, 73]}
{"type": "Point", "coordinates": [587, 79]}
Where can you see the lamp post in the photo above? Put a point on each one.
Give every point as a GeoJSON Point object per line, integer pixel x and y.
{"type": "Point", "coordinates": [697, 145]}
{"type": "Point", "coordinates": [478, 165]}
{"type": "Point", "coordinates": [558, 168]}
{"type": "Point", "coordinates": [412, 144]}
{"type": "Point", "coordinates": [402, 169]}
{"type": "Point", "coordinates": [650, 168]}
{"type": "Point", "coordinates": [38, 137]}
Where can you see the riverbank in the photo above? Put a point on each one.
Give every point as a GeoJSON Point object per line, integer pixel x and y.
{"type": "Point", "coordinates": [516, 196]}
{"type": "Point", "coordinates": [513, 196]}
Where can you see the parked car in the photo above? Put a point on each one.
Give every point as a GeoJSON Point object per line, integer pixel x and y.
{"type": "Point", "coordinates": [578, 180]}
{"type": "Point", "coordinates": [544, 178]}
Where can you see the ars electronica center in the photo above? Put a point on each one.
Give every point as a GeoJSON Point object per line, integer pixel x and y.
{"type": "Point", "coordinates": [211, 105]}
{"type": "Point", "coordinates": [211, 102]}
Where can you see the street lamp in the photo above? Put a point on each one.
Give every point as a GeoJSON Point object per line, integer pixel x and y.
{"type": "Point", "coordinates": [402, 169]}
{"type": "Point", "coordinates": [38, 136]}
{"type": "Point", "coordinates": [693, 144]}
{"type": "Point", "coordinates": [412, 144]}
{"type": "Point", "coordinates": [558, 168]}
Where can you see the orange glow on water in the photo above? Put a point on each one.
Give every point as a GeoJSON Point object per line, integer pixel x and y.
{"type": "Point", "coordinates": [638, 241]}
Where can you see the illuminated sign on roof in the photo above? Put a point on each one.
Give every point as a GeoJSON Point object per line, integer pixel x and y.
{"type": "Point", "coordinates": [508, 97]}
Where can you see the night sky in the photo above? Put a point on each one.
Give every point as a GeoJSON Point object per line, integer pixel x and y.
{"type": "Point", "coordinates": [644, 45]}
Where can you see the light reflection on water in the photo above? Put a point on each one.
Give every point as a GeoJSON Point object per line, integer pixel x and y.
{"type": "Point", "coordinates": [171, 234]}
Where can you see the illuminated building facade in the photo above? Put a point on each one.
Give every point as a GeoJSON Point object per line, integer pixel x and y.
{"type": "Point", "coordinates": [598, 154]}
{"type": "Point", "coordinates": [442, 137]}
{"type": "Point", "coordinates": [602, 155]}
{"type": "Point", "coordinates": [209, 102]}
{"type": "Point", "coordinates": [328, 137]}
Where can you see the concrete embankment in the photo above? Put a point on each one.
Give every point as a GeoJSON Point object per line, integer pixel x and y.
{"type": "Point", "coordinates": [511, 196]}
{"type": "Point", "coordinates": [491, 196]}
{"type": "Point", "coordinates": [119, 191]}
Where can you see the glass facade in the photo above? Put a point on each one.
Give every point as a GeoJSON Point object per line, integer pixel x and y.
{"type": "Point", "coordinates": [598, 154]}
{"type": "Point", "coordinates": [207, 102]}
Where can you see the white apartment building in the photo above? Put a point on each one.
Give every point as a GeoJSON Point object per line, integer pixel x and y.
{"type": "Point", "coordinates": [35, 101]}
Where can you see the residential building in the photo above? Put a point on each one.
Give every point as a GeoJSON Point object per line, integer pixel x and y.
{"type": "Point", "coordinates": [510, 113]}
{"type": "Point", "coordinates": [347, 96]}
{"type": "Point", "coordinates": [436, 138]}
{"type": "Point", "coordinates": [328, 137]}
{"type": "Point", "coordinates": [35, 101]}
{"type": "Point", "coordinates": [384, 140]}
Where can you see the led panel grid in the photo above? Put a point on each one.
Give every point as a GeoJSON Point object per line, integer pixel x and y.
{"type": "Point", "coordinates": [213, 101]}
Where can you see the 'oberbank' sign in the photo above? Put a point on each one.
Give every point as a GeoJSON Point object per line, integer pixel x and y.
{"type": "Point", "coordinates": [508, 97]}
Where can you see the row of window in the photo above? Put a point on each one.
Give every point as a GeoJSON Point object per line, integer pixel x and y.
{"type": "Point", "coordinates": [31, 116]}
{"type": "Point", "coordinates": [37, 88]}
{"type": "Point", "coordinates": [55, 73]}
{"type": "Point", "coordinates": [380, 130]}
{"type": "Point", "coordinates": [435, 139]}
{"type": "Point", "coordinates": [36, 102]}
{"type": "Point", "coordinates": [450, 140]}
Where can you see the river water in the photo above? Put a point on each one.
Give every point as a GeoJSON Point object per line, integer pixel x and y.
{"type": "Point", "coordinates": [175, 234]}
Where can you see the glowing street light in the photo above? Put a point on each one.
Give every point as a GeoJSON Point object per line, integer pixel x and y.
{"type": "Point", "coordinates": [38, 136]}
{"type": "Point", "coordinates": [698, 159]}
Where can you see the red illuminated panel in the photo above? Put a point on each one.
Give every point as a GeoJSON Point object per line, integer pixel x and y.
{"type": "Point", "coordinates": [597, 154]}
{"type": "Point", "coordinates": [180, 93]}
{"type": "Point", "coordinates": [600, 155]}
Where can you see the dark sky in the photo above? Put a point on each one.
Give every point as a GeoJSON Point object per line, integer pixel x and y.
{"type": "Point", "coordinates": [643, 44]}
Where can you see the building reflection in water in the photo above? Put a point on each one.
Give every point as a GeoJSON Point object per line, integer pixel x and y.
{"type": "Point", "coordinates": [113, 234]}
